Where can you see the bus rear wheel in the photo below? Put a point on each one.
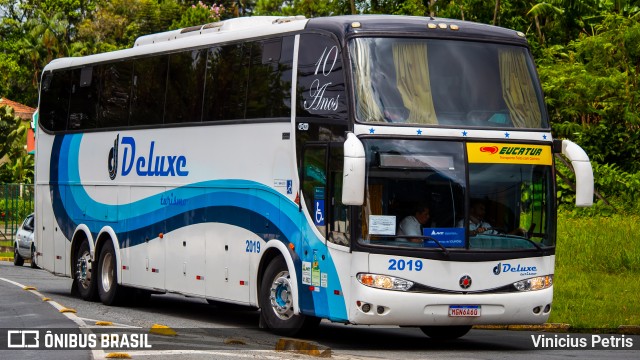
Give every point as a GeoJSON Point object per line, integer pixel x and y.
{"type": "Point", "coordinates": [108, 289]}
{"type": "Point", "coordinates": [83, 274]}
{"type": "Point", "coordinates": [276, 302]}
{"type": "Point", "coordinates": [445, 332]}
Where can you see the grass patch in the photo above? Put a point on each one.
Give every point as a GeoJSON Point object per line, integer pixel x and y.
{"type": "Point", "coordinates": [597, 266]}
{"type": "Point", "coordinates": [6, 254]}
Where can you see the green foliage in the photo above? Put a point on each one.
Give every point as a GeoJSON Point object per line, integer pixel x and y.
{"type": "Point", "coordinates": [8, 124]}
{"type": "Point", "coordinates": [14, 210]}
{"type": "Point", "coordinates": [16, 166]}
{"type": "Point", "coordinates": [619, 189]}
{"type": "Point", "coordinates": [307, 8]}
{"type": "Point", "coordinates": [592, 93]}
{"type": "Point", "coordinates": [199, 14]}
{"type": "Point", "coordinates": [597, 263]}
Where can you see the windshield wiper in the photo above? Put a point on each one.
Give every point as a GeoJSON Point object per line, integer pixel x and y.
{"type": "Point", "coordinates": [423, 238]}
{"type": "Point", "coordinates": [444, 249]}
{"type": "Point", "coordinates": [510, 236]}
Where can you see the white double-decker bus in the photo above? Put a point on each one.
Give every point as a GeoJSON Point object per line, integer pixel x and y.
{"type": "Point", "coordinates": [270, 162]}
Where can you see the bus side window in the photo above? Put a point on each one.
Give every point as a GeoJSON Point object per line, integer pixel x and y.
{"type": "Point", "coordinates": [54, 102]}
{"type": "Point", "coordinates": [185, 87]}
{"type": "Point", "coordinates": [226, 83]}
{"type": "Point", "coordinates": [115, 94]}
{"type": "Point", "coordinates": [84, 95]}
{"type": "Point", "coordinates": [148, 90]}
{"type": "Point", "coordinates": [266, 90]}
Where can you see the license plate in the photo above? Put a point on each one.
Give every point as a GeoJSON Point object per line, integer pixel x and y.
{"type": "Point", "coordinates": [464, 310]}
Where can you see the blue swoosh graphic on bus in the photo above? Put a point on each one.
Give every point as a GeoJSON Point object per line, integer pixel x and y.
{"type": "Point", "coordinates": [243, 203]}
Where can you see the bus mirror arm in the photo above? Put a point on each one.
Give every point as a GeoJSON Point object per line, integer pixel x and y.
{"type": "Point", "coordinates": [584, 173]}
{"type": "Point", "coordinates": [354, 171]}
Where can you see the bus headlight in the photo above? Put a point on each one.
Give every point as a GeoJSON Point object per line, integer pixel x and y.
{"type": "Point", "coordinates": [384, 282]}
{"type": "Point", "coordinates": [536, 283]}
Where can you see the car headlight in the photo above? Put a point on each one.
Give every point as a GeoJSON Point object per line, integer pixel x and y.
{"type": "Point", "coordinates": [536, 283]}
{"type": "Point", "coordinates": [384, 282]}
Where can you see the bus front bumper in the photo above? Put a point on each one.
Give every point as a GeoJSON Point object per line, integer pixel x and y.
{"type": "Point", "coordinates": [386, 307]}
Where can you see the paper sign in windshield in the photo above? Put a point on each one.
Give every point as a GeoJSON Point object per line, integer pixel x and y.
{"type": "Point", "coordinates": [382, 225]}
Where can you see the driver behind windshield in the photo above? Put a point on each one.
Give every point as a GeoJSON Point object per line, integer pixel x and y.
{"type": "Point", "coordinates": [477, 224]}
{"type": "Point", "coordinates": [412, 224]}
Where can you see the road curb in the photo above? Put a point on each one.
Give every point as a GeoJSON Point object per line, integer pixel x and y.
{"type": "Point", "coordinates": [629, 329]}
{"type": "Point", "coordinates": [557, 327]}
{"type": "Point", "coordinates": [303, 347]}
{"type": "Point", "coordinates": [10, 259]}
{"type": "Point", "coordinates": [560, 327]}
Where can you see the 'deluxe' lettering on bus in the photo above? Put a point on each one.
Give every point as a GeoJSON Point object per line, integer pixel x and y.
{"type": "Point", "coordinates": [150, 165]}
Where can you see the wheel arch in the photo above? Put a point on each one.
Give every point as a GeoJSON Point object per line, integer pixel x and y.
{"type": "Point", "coordinates": [81, 234]}
{"type": "Point", "coordinates": [274, 249]}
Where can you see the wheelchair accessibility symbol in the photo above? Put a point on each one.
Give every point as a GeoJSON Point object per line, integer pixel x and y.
{"type": "Point", "coordinates": [318, 216]}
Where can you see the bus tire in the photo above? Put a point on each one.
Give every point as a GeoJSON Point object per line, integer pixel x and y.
{"type": "Point", "coordinates": [445, 332]}
{"type": "Point", "coordinates": [33, 258]}
{"type": "Point", "coordinates": [276, 301]}
{"type": "Point", "coordinates": [83, 273]}
{"type": "Point", "coordinates": [17, 259]}
{"type": "Point", "coordinates": [107, 276]}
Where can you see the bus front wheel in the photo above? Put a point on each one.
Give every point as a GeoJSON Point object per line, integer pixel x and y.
{"type": "Point", "coordinates": [445, 332]}
{"type": "Point", "coordinates": [276, 301]}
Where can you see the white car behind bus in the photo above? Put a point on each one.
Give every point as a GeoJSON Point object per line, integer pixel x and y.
{"type": "Point", "coordinates": [24, 248]}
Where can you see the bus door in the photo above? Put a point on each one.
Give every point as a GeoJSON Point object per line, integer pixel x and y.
{"type": "Point", "coordinates": [322, 189]}
{"type": "Point", "coordinates": [314, 191]}
{"type": "Point", "coordinates": [44, 233]}
{"type": "Point", "coordinates": [325, 253]}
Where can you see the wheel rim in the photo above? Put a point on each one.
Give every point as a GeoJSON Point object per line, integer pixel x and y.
{"type": "Point", "coordinates": [83, 270]}
{"type": "Point", "coordinates": [107, 272]}
{"type": "Point", "coordinates": [281, 301]}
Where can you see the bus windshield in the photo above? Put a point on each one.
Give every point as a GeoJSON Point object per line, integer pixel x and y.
{"type": "Point", "coordinates": [445, 82]}
{"type": "Point", "coordinates": [510, 204]}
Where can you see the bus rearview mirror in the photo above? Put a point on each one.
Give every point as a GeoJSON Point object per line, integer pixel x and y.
{"type": "Point", "coordinates": [354, 171]}
{"type": "Point", "coordinates": [584, 173]}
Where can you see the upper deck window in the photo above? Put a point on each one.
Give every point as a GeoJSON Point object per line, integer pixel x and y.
{"type": "Point", "coordinates": [445, 82]}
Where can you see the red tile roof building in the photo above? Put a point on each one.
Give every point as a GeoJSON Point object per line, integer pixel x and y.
{"type": "Point", "coordinates": [24, 112]}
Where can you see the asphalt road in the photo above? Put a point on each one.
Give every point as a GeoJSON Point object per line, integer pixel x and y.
{"type": "Point", "coordinates": [206, 331]}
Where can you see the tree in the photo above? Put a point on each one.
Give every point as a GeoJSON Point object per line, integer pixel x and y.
{"type": "Point", "coordinates": [307, 8]}
{"type": "Point", "coordinates": [592, 91]}
{"type": "Point", "coordinates": [199, 14]}
{"type": "Point", "coordinates": [16, 166]}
